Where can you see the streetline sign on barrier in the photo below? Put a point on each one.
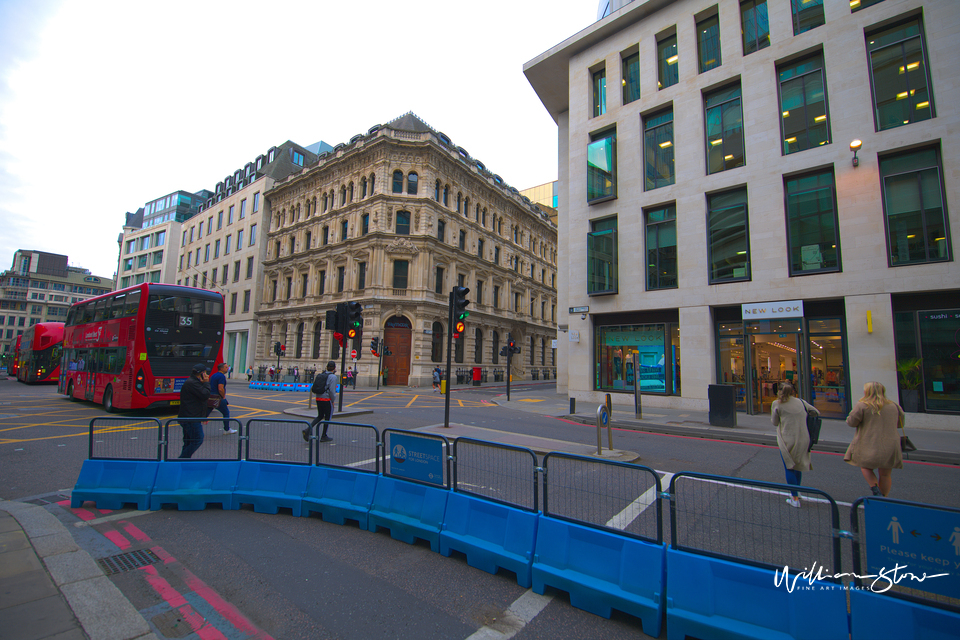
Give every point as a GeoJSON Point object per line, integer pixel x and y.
{"type": "Point", "coordinates": [416, 458]}
{"type": "Point", "coordinates": [904, 543]}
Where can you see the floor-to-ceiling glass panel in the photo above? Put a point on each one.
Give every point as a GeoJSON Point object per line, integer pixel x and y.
{"type": "Point", "coordinates": [828, 376]}
{"type": "Point", "coordinates": [616, 346]}
{"type": "Point", "coordinates": [774, 360]}
{"type": "Point", "coordinates": [731, 360]}
{"type": "Point", "coordinates": [940, 350]}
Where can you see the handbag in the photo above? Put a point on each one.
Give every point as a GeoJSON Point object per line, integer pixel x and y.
{"type": "Point", "coordinates": [814, 422]}
{"type": "Point", "coordinates": [213, 402]}
{"type": "Point", "coordinates": [906, 445]}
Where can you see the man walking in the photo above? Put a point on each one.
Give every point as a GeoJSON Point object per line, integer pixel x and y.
{"type": "Point", "coordinates": [218, 387]}
{"type": "Point", "coordinates": [193, 405]}
{"type": "Point", "coordinates": [325, 388]}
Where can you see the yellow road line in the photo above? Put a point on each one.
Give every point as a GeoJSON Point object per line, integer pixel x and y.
{"type": "Point", "coordinates": [412, 400]}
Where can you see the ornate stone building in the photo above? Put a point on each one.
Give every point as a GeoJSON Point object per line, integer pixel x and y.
{"type": "Point", "coordinates": [394, 220]}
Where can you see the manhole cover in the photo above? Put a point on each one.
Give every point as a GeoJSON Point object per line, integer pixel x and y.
{"type": "Point", "coordinates": [172, 625]}
{"type": "Point", "coordinates": [127, 561]}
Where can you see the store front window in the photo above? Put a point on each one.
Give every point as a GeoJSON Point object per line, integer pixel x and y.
{"type": "Point", "coordinates": [657, 348]}
{"type": "Point", "coordinates": [928, 366]}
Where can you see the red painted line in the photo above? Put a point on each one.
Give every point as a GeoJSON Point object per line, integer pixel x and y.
{"type": "Point", "coordinates": [83, 514]}
{"type": "Point", "coordinates": [163, 588]}
{"type": "Point", "coordinates": [134, 532]}
{"type": "Point", "coordinates": [118, 539]}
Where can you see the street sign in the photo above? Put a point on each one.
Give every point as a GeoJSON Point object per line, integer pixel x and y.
{"type": "Point", "coordinates": [416, 458]}
{"type": "Point", "coordinates": [919, 541]}
{"type": "Point", "coordinates": [353, 354]}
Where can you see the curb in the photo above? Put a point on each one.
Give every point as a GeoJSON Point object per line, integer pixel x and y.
{"type": "Point", "coordinates": [103, 612]}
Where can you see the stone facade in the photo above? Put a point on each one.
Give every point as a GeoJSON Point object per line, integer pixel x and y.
{"type": "Point", "coordinates": [394, 220]}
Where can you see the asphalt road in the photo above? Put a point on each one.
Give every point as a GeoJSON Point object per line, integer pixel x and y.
{"type": "Point", "coordinates": [241, 574]}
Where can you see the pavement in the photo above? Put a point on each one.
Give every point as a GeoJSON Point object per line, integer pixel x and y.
{"type": "Point", "coordinates": [51, 589]}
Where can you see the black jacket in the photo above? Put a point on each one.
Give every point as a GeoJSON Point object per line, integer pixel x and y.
{"type": "Point", "coordinates": [193, 398]}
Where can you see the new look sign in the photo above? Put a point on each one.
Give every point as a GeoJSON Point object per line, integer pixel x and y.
{"type": "Point", "coordinates": [766, 310]}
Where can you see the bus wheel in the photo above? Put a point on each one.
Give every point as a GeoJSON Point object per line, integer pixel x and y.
{"type": "Point", "coordinates": [70, 391]}
{"type": "Point", "coordinates": [108, 400]}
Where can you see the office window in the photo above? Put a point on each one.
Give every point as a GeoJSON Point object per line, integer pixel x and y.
{"type": "Point", "coordinates": [230, 214]}
{"type": "Point", "coordinates": [273, 286]}
{"type": "Point", "coordinates": [343, 195]}
{"type": "Point", "coordinates": [856, 5]}
{"type": "Point", "coordinates": [236, 271]}
{"type": "Point", "coordinates": [303, 285]}
{"type": "Point", "coordinates": [438, 279]}
{"type": "Point", "coordinates": [661, 248]}
{"type": "Point", "coordinates": [599, 92]}
{"type": "Point", "coordinates": [463, 240]}
{"type": "Point", "coordinates": [216, 249]}
{"type": "Point", "coordinates": [803, 105]}
{"type": "Point", "coordinates": [243, 208]}
{"type": "Point", "coordinates": [412, 183]}
{"type": "Point", "coordinates": [602, 257]}
{"type": "Point", "coordinates": [365, 224]}
{"type": "Point", "coordinates": [754, 25]}
{"type": "Point", "coordinates": [496, 255]}
{"type": "Point", "coordinates": [441, 230]}
{"type": "Point", "coordinates": [322, 283]}
{"type": "Point", "coordinates": [213, 275]}
{"type": "Point", "coordinates": [130, 243]}
{"type": "Point", "coordinates": [326, 235]}
{"type": "Point", "coordinates": [728, 241]}
{"type": "Point", "coordinates": [446, 195]}
{"type": "Point", "coordinates": [807, 14]}
{"type": "Point", "coordinates": [724, 123]}
{"type": "Point", "coordinates": [340, 279]}
{"type": "Point", "coordinates": [226, 270]}
{"type": "Point", "coordinates": [226, 245]}
{"type": "Point", "coordinates": [142, 260]}
{"type": "Point", "coordinates": [480, 248]}
{"type": "Point", "coordinates": [461, 280]}
{"type": "Point", "coordinates": [206, 254]}
{"type": "Point", "coordinates": [256, 202]}
{"type": "Point", "coordinates": [297, 157]}
{"type": "Point", "coordinates": [403, 223]}
{"type": "Point", "coordinates": [344, 228]}
{"type": "Point", "coordinates": [246, 301]}
{"type": "Point", "coordinates": [400, 269]}
{"type": "Point", "coordinates": [708, 43]}
{"type": "Point", "coordinates": [630, 78]}
{"type": "Point", "coordinates": [128, 263]}
{"type": "Point", "coordinates": [398, 181]}
{"type": "Point", "coordinates": [496, 296]}
{"type": "Point", "coordinates": [658, 150]}
{"type": "Point", "coordinates": [602, 167]}
{"type": "Point", "coordinates": [914, 208]}
{"type": "Point", "coordinates": [233, 303]}
{"type": "Point", "coordinates": [363, 188]}
{"type": "Point", "coordinates": [289, 287]}
{"type": "Point", "coordinates": [812, 223]}
{"type": "Point", "coordinates": [361, 275]}
{"type": "Point", "coordinates": [191, 234]}
{"type": "Point", "coordinates": [478, 294]}
{"type": "Point", "coordinates": [253, 235]}
{"type": "Point", "coordinates": [239, 239]}
{"type": "Point", "coordinates": [249, 268]}
{"type": "Point", "coordinates": [667, 62]}
{"type": "Point", "coordinates": [199, 232]}
{"type": "Point", "coordinates": [898, 71]}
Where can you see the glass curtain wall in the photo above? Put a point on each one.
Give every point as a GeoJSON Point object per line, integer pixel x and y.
{"type": "Point", "coordinates": [658, 348]}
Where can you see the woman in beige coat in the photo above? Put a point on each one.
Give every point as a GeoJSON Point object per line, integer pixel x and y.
{"type": "Point", "coordinates": [876, 444]}
{"type": "Point", "coordinates": [789, 414]}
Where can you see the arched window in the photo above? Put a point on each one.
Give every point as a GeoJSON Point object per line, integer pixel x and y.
{"type": "Point", "coordinates": [466, 207]}
{"type": "Point", "coordinates": [317, 334]}
{"type": "Point", "coordinates": [436, 191]}
{"type": "Point", "coordinates": [343, 195]}
{"type": "Point", "coordinates": [496, 348]}
{"type": "Point", "coordinates": [412, 180]}
{"type": "Point", "coordinates": [459, 201]}
{"type": "Point", "coordinates": [477, 215]}
{"type": "Point", "coordinates": [324, 202]}
{"type": "Point", "coordinates": [478, 346]}
{"type": "Point", "coordinates": [543, 352]}
{"type": "Point", "coordinates": [398, 181]}
{"type": "Point", "coordinates": [516, 234]}
{"type": "Point", "coordinates": [500, 226]}
{"type": "Point", "coordinates": [446, 195]}
{"type": "Point", "coordinates": [436, 345]}
{"type": "Point", "coordinates": [483, 217]}
{"type": "Point", "coordinates": [350, 191]}
{"type": "Point", "coordinates": [372, 183]}
{"type": "Point", "coordinates": [299, 341]}
{"type": "Point", "coordinates": [403, 223]}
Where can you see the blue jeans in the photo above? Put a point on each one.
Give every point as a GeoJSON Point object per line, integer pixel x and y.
{"type": "Point", "coordinates": [793, 477]}
{"type": "Point", "coordinates": [192, 437]}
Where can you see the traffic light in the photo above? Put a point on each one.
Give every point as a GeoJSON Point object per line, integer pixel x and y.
{"type": "Point", "coordinates": [375, 346]}
{"type": "Point", "coordinates": [460, 303]}
{"type": "Point", "coordinates": [512, 345]}
{"type": "Point", "coordinates": [332, 320]}
{"type": "Point", "coordinates": [276, 348]}
{"type": "Point", "coordinates": [355, 326]}
{"type": "Point", "coordinates": [283, 349]}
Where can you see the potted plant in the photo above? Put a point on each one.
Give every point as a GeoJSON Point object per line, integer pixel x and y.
{"type": "Point", "coordinates": [910, 376]}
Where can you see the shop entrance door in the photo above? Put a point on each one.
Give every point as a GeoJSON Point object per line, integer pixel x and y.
{"type": "Point", "coordinates": [775, 358]}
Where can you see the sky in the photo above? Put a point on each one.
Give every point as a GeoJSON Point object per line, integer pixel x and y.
{"type": "Point", "coordinates": [106, 105]}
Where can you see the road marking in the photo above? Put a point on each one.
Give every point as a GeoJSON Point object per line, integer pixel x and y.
{"type": "Point", "coordinates": [412, 400]}
{"type": "Point", "coordinates": [523, 610]}
{"type": "Point", "coordinates": [117, 516]}
{"type": "Point", "coordinates": [633, 510]}
{"type": "Point", "coordinates": [530, 399]}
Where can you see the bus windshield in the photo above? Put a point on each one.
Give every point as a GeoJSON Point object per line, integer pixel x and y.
{"type": "Point", "coordinates": [181, 331]}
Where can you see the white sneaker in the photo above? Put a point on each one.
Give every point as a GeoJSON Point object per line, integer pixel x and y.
{"type": "Point", "coordinates": [794, 502]}
{"type": "Point", "coordinates": [230, 431]}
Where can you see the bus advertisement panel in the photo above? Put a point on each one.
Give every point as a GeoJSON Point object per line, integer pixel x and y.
{"type": "Point", "coordinates": [38, 358]}
{"type": "Point", "coordinates": [134, 348]}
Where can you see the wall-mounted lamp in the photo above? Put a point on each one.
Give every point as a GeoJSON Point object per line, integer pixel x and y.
{"type": "Point", "coordinates": [583, 316]}
{"type": "Point", "coordinates": [855, 146]}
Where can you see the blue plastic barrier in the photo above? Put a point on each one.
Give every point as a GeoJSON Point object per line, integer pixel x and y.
{"type": "Point", "coordinates": [111, 483]}
{"type": "Point", "coordinates": [191, 485]}
{"type": "Point", "coordinates": [338, 495]}
{"type": "Point", "coordinates": [491, 535]}
{"type": "Point", "coordinates": [601, 571]}
{"type": "Point", "coordinates": [876, 615]}
{"type": "Point", "coordinates": [269, 486]}
{"type": "Point", "coordinates": [409, 510]}
{"type": "Point", "coordinates": [713, 598]}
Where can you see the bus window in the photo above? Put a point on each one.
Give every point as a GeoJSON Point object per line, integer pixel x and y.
{"type": "Point", "coordinates": [116, 306]}
{"type": "Point", "coordinates": [133, 303]}
{"type": "Point", "coordinates": [87, 313]}
{"type": "Point", "coordinates": [72, 316]}
{"type": "Point", "coordinates": [101, 310]}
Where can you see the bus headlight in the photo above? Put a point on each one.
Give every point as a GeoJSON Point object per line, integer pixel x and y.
{"type": "Point", "coordinates": [139, 386]}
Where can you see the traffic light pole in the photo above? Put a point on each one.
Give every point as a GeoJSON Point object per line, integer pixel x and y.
{"type": "Point", "coordinates": [342, 329]}
{"type": "Point", "coordinates": [446, 407]}
{"type": "Point", "coordinates": [509, 358]}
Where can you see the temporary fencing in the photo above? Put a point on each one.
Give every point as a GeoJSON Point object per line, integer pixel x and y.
{"type": "Point", "coordinates": [121, 438]}
{"type": "Point", "coordinates": [431, 452]}
{"type": "Point", "coordinates": [217, 445]}
{"type": "Point", "coordinates": [269, 440]}
{"type": "Point", "coordinates": [498, 472]}
{"type": "Point", "coordinates": [354, 446]}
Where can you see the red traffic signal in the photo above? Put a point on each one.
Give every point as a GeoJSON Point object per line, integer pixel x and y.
{"type": "Point", "coordinates": [283, 348]}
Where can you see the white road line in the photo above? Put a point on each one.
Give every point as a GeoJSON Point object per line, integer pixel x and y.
{"type": "Point", "coordinates": [633, 510]}
{"type": "Point", "coordinates": [779, 492]}
{"type": "Point", "coordinates": [515, 618]}
{"type": "Point", "coordinates": [363, 462]}
{"type": "Point", "coordinates": [117, 516]}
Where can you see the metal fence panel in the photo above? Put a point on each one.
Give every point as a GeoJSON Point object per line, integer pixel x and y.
{"type": "Point", "coordinates": [750, 521]}
{"type": "Point", "coordinates": [614, 496]}
{"type": "Point", "coordinates": [269, 440]}
{"type": "Point", "coordinates": [907, 589]}
{"type": "Point", "coordinates": [354, 446]}
{"type": "Point", "coordinates": [417, 457]}
{"type": "Point", "coordinates": [124, 438]}
{"type": "Point", "coordinates": [498, 472]}
{"type": "Point", "coordinates": [217, 445]}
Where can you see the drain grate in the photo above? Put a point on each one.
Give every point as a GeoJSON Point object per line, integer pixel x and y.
{"type": "Point", "coordinates": [127, 561]}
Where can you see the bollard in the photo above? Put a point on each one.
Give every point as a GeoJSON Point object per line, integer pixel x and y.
{"type": "Point", "coordinates": [609, 404]}
{"type": "Point", "coordinates": [573, 406]}
{"type": "Point", "coordinates": [603, 418]}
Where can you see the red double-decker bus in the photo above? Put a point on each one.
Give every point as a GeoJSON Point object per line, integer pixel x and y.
{"type": "Point", "coordinates": [15, 363]}
{"type": "Point", "coordinates": [38, 353]}
{"type": "Point", "coordinates": [134, 348]}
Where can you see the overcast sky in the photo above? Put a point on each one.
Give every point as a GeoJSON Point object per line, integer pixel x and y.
{"type": "Point", "coordinates": [107, 105]}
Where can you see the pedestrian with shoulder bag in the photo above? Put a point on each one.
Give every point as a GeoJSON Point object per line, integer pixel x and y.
{"type": "Point", "coordinates": [789, 414]}
{"type": "Point", "coordinates": [325, 388]}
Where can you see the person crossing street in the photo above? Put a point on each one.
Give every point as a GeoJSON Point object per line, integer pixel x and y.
{"type": "Point", "coordinates": [325, 388]}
